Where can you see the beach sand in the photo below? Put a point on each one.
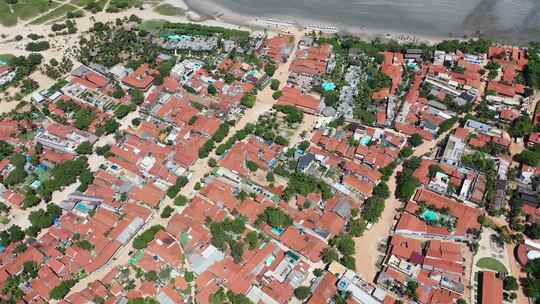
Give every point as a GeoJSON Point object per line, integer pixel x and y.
{"type": "Point", "coordinates": [208, 7]}
{"type": "Point", "coordinates": [61, 45]}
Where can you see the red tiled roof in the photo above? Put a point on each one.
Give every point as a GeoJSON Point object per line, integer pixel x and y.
{"type": "Point", "coordinates": [206, 125]}
{"type": "Point", "coordinates": [293, 96]}
{"type": "Point", "coordinates": [148, 194]}
{"type": "Point", "coordinates": [363, 187]}
{"type": "Point", "coordinates": [467, 217]}
{"type": "Point", "coordinates": [325, 291]}
{"type": "Point", "coordinates": [311, 61]}
{"type": "Point", "coordinates": [140, 78]}
{"type": "Point", "coordinates": [492, 288]}
{"type": "Point", "coordinates": [404, 247]}
{"type": "Point", "coordinates": [502, 88]}
{"type": "Point", "coordinates": [332, 223]}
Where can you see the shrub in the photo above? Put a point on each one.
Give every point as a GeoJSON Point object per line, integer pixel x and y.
{"type": "Point", "coordinates": [180, 200]}
{"type": "Point", "coordinates": [84, 148]}
{"type": "Point", "coordinates": [248, 100]}
{"type": "Point", "coordinates": [167, 212]}
{"type": "Point", "coordinates": [416, 140]}
{"type": "Point", "coordinates": [302, 292]}
{"type": "Point", "coordinates": [274, 84]}
{"type": "Point", "coordinates": [142, 240]}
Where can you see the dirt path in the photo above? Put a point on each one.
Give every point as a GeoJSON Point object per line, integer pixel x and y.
{"type": "Point", "coordinates": [367, 252]}
{"type": "Point", "coordinates": [199, 169]}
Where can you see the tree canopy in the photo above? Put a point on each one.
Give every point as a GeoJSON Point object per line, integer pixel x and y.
{"type": "Point", "coordinates": [521, 126]}
{"type": "Point", "coordinates": [275, 217]}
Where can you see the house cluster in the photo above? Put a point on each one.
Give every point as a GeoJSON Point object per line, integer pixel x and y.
{"type": "Point", "coordinates": [274, 198]}
{"type": "Point", "coordinates": [79, 243]}
{"type": "Point", "coordinates": [7, 73]}
{"type": "Point", "coordinates": [128, 162]}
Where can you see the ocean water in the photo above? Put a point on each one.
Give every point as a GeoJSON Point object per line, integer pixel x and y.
{"type": "Point", "coordinates": [507, 19]}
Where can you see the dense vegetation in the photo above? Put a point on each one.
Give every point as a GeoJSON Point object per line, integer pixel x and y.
{"type": "Point", "coordinates": [142, 240]}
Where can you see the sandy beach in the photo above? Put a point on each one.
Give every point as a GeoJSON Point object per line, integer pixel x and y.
{"type": "Point", "coordinates": [226, 15]}
{"type": "Point", "coordinates": [63, 45]}
{"type": "Point", "coordinates": [415, 20]}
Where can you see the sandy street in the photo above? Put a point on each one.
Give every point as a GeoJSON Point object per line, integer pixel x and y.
{"type": "Point", "coordinates": [199, 170]}
{"type": "Point", "coordinates": [367, 252]}
{"type": "Point", "coordinates": [367, 245]}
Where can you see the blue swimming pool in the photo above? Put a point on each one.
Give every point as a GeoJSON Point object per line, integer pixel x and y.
{"type": "Point", "coordinates": [83, 207]}
{"type": "Point", "coordinates": [365, 140]}
{"type": "Point", "coordinates": [328, 86]}
{"type": "Point", "coordinates": [430, 216]}
{"type": "Point", "coordinates": [179, 37]}
{"type": "Point", "coordinates": [277, 230]}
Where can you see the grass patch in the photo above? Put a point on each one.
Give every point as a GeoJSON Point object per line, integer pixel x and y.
{"type": "Point", "coordinates": [120, 5]}
{"type": "Point", "coordinates": [169, 10]}
{"type": "Point", "coordinates": [152, 25]}
{"type": "Point", "coordinates": [28, 9]}
{"type": "Point", "coordinates": [54, 14]}
{"type": "Point", "coordinates": [491, 264]}
{"type": "Point", "coordinates": [83, 3]}
{"type": "Point", "coordinates": [23, 10]}
{"type": "Point", "coordinates": [6, 17]}
{"type": "Point", "coordinates": [7, 58]}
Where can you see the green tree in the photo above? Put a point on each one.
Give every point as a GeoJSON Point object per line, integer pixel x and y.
{"type": "Point", "coordinates": [142, 240]}
{"type": "Point", "coordinates": [277, 94]}
{"type": "Point", "coordinates": [180, 200]}
{"type": "Point", "coordinates": [270, 69]}
{"type": "Point", "coordinates": [110, 126]}
{"type": "Point", "coordinates": [212, 90]}
{"type": "Point", "coordinates": [447, 125]}
{"type": "Point", "coordinates": [357, 227]}
{"type": "Point", "coordinates": [275, 217]}
{"type": "Point", "coordinates": [248, 100]}
{"type": "Point", "coordinates": [84, 148]}
{"type": "Point", "coordinates": [167, 212]}
{"type": "Point", "coordinates": [18, 160]}
{"type": "Point", "coordinates": [405, 152]}
{"type": "Point", "coordinates": [372, 209]}
{"type": "Point", "coordinates": [344, 243]}
{"type": "Point", "coordinates": [410, 289]}
{"type": "Point", "coordinates": [137, 97]}
{"type": "Point", "coordinates": [60, 291]}
{"type": "Point", "coordinates": [349, 262]}
{"type": "Point", "coordinates": [252, 239]}
{"type": "Point", "coordinates": [533, 231]}
{"type": "Point", "coordinates": [103, 150]}
{"type": "Point", "coordinates": [189, 276]}
{"type": "Point", "coordinates": [274, 84]}
{"type": "Point", "coordinates": [302, 292]}
{"type": "Point", "coordinates": [84, 118]}
{"type": "Point", "coordinates": [329, 255]}
{"type": "Point", "coordinates": [16, 176]}
{"type": "Point", "coordinates": [237, 250]}
{"type": "Point", "coordinates": [16, 234]}
{"type": "Point", "coordinates": [416, 140]}
{"type": "Point", "coordinates": [529, 157]}
{"type": "Point", "coordinates": [381, 190]}
{"type": "Point", "coordinates": [252, 166]}
{"type": "Point", "coordinates": [521, 126]}
{"type": "Point", "coordinates": [510, 283]}
{"type": "Point", "coordinates": [407, 185]}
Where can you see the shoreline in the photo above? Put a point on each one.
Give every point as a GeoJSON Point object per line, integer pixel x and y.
{"type": "Point", "coordinates": [226, 15]}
